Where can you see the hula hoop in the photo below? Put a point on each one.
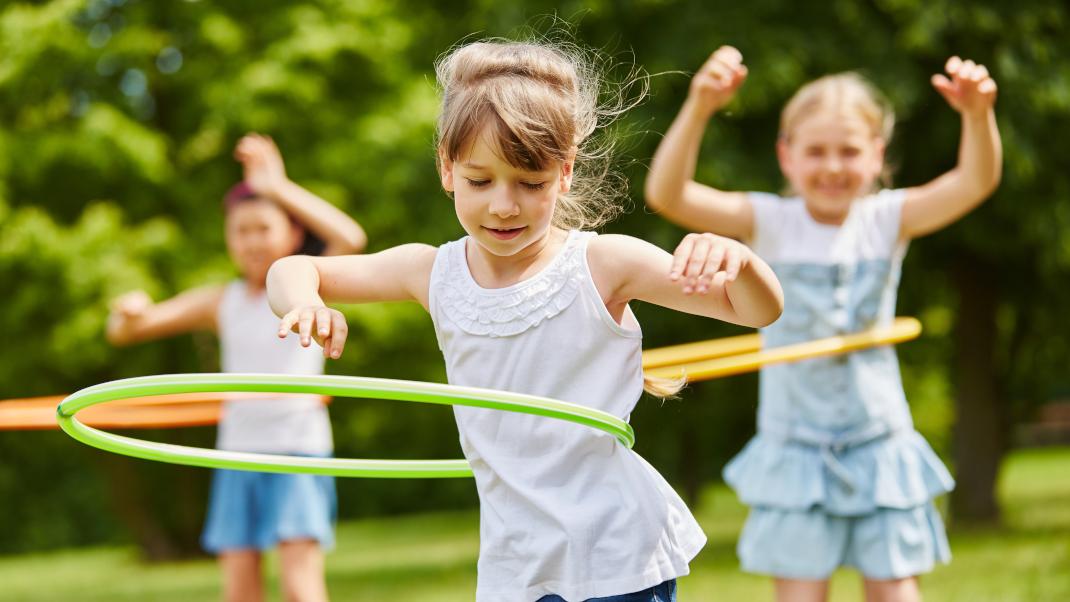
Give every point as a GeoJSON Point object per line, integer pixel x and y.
{"type": "Point", "coordinates": [903, 329]}
{"type": "Point", "coordinates": [158, 411]}
{"type": "Point", "coordinates": [337, 386]}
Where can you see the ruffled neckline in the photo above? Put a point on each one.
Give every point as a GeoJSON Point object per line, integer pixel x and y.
{"type": "Point", "coordinates": [510, 310]}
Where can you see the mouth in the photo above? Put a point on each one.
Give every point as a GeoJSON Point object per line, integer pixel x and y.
{"type": "Point", "coordinates": [505, 233]}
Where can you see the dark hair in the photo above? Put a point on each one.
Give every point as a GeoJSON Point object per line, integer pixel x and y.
{"type": "Point", "coordinates": [243, 193]}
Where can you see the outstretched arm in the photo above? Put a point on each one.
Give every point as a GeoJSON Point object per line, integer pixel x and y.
{"type": "Point", "coordinates": [135, 318]}
{"type": "Point", "coordinates": [972, 92]}
{"type": "Point", "coordinates": [265, 173]}
{"type": "Point", "coordinates": [671, 189]}
{"type": "Point", "coordinates": [708, 275]}
{"type": "Point", "coordinates": [298, 287]}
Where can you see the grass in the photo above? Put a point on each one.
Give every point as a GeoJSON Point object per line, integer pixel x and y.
{"type": "Point", "coordinates": [431, 558]}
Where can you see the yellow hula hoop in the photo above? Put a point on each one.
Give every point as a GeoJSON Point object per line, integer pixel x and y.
{"type": "Point", "coordinates": [736, 355]}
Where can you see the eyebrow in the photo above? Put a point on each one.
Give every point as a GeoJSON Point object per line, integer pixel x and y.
{"type": "Point", "coordinates": [473, 165]}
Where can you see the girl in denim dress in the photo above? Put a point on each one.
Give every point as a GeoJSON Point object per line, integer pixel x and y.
{"type": "Point", "coordinates": [837, 475]}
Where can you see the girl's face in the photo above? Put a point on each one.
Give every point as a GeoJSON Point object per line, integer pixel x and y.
{"type": "Point", "coordinates": [258, 232]}
{"type": "Point", "coordinates": [504, 209]}
{"type": "Point", "coordinates": [831, 158]}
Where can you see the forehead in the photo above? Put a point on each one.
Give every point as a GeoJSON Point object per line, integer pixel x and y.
{"type": "Point", "coordinates": [256, 211]}
{"type": "Point", "coordinates": [484, 150]}
{"type": "Point", "coordinates": [832, 127]}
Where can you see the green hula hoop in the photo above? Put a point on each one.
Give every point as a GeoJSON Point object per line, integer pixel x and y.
{"type": "Point", "coordinates": [338, 386]}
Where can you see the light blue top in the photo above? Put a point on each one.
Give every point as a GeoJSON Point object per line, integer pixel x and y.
{"type": "Point", "coordinates": [835, 431]}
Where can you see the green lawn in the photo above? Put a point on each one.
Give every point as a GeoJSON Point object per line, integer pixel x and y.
{"type": "Point", "coordinates": [431, 558]}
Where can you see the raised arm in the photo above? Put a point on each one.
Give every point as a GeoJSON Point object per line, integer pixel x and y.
{"type": "Point", "coordinates": [970, 90]}
{"type": "Point", "coordinates": [265, 173]}
{"type": "Point", "coordinates": [708, 275]}
{"type": "Point", "coordinates": [671, 189]}
{"type": "Point", "coordinates": [299, 286]}
{"type": "Point", "coordinates": [135, 318]}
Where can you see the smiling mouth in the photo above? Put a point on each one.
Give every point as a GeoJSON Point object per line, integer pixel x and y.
{"type": "Point", "coordinates": [504, 233]}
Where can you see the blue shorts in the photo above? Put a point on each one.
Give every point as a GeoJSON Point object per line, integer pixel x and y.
{"type": "Point", "coordinates": [664, 592]}
{"type": "Point", "coordinates": [257, 510]}
{"type": "Point", "coordinates": [811, 544]}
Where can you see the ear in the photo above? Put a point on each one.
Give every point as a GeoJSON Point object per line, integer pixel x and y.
{"type": "Point", "coordinates": [783, 155]}
{"type": "Point", "coordinates": [445, 171]}
{"type": "Point", "coordinates": [878, 155]}
{"type": "Point", "coordinates": [297, 237]}
{"type": "Point", "coordinates": [566, 171]}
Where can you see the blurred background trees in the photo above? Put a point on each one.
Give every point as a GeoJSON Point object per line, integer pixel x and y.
{"type": "Point", "coordinates": [117, 120]}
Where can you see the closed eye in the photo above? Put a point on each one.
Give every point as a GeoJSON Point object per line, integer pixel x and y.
{"type": "Point", "coordinates": [477, 183]}
{"type": "Point", "coordinates": [533, 185]}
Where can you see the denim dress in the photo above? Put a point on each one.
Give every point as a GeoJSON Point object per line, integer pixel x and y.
{"type": "Point", "coordinates": [836, 475]}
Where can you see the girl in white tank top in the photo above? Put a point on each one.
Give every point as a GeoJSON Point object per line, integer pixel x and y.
{"type": "Point", "coordinates": [530, 303]}
{"type": "Point", "coordinates": [268, 217]}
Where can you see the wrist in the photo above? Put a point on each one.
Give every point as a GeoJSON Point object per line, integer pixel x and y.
{"type": "Point", "coordinates": [975, 116]}
{"type": "Point", "coordinates": [695, 110]}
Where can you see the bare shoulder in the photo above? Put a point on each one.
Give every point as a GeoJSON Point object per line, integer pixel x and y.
{"type": "Point", "coordinates": [618, 250]}
{"type": "Point", "coordinates": [415, 262]}
{"type": "Point", "coordinates": [616, 260]}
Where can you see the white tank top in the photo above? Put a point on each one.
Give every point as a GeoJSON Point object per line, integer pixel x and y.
{"type": "Point", "coordinates": [564, 508]}
{"type": "Point", "coordinates": [248, 343]}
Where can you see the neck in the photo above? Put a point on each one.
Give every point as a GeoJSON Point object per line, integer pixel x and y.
{"type": "Point", "coordinates": [828, 218]}
{"type": "Point", "coordinates": [497, 271]}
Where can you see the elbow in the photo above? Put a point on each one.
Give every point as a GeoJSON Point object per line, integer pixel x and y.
{"type": "Point", "coordinates": [355, 241]}
{"type": "Point", "coordinates": [769, 311]}
{"type": "Point", "coordinates": [770, 314]}
{"type": "Point", "coordinates": [653, 195]}
{"type": "Point", "coordinates": [350, 242]}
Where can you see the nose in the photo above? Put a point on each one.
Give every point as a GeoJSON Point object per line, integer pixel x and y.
{"type": "Point", "coordinates": [834, 163]}
{"type": "Point", "coordinates": [504, 206]}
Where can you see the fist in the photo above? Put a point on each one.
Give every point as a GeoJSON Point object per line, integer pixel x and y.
{"type": "Point", "coordinates": [717, 81]}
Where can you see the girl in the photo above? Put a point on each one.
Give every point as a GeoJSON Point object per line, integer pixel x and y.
{"type": "Point", "coordinates": [267, 217]}
{"type": "Point", "coordinates": [530, 303]}
{"type": "Point", "coordinates": [837, 475]}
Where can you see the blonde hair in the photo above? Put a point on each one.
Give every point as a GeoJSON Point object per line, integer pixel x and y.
{"type": "Point", "coordinates": [543, 101]}
{"type": "Point", "coordinates": [844, 92]}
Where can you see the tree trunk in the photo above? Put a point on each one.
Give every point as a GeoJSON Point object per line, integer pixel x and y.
{"type": "Point", "coordinates": [979, 436]}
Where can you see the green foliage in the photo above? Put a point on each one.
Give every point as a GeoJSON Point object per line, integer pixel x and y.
{"type": "Point", "coordinates": [117, 121]}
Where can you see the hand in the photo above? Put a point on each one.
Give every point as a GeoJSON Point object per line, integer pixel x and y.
{"type": "Point", "coordinates": [131, 305]}
{"type": "Point", "coordinates": [262, 164]}
{"type": "Point", "coordinates": [703, 261]}
{"type": "Point", "coordinates": [327, 326]}
{"type": "Point", "coordinates": [717, 81]}
{"type": "Point", "coordinates": [970, 90]}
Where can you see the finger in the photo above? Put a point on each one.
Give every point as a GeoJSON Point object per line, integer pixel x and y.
{"type": "Point", "coordinates": [304, 327]}
{"type": "Point", "coordinates": [724, 74]}
{"type": "Point", "coordinates": [697, 260]}
{"type": "Point", "coordinates": [944, 86]}
{"type": "Point", "coordinates": [980, 73]}
{"type": "Point", "coordinates": [680, 256]}
{"type": "Point", "coordinates": [732, 260]}
{"type": "Point", "coordinates": [287, 324]}
{"type": "Point", "coordinates": [339, 333]}
{"type": "Point", "coordinates": [987, 87]}
{"type": "Point", "coordinates": [730, 55]}
{"type": "Point", "coordinates": [965, 71]}
{"type": "Point", "coordinates": [952, 66]}
{"type": "Point", "coordinates": [323, 321]}
{"type": "Point", "coordinates": [715, 260]}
